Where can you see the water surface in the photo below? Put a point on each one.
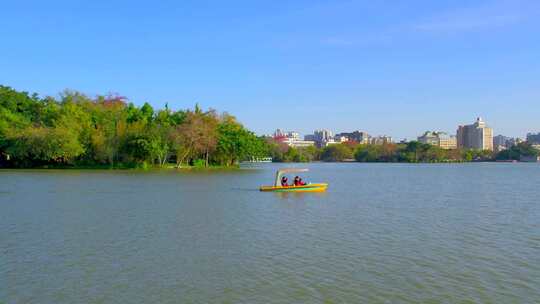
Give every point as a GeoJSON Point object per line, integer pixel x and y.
{"type": "Point", "coordinates": [383, 233]}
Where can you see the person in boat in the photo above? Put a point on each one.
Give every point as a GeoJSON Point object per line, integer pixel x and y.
{"type": "Point", "coordinates": [284, 181]}
{"type": "Point", "coordinates": [298, 181]}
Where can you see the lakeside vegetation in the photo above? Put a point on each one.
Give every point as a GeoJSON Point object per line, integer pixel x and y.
{"type": "Point", "coordinates": [107, 131]}
{"type": "Point", "coordinates": [411, 152]}
{"type": "Point", "coordinates": [75, 130]}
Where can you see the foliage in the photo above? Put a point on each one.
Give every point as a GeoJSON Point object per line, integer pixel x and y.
{"type": "Point", "coordinates": [518, 151]}
{"type": "Point", "coordinates": [336, 153]}
{"type": "Point", "coordinates": [281, 152]}
{"type": "Point", "coordinates": [412, 152]}
{"type": "Point", "coordinates": [107, 130]}
{"type": "Point", "coordinates": [415, 152]}
{"type": "Point", "coordinates": [235, 143]}
{"type": "Point", "coordinates": [41, 145]}
{"type": "Point", "coordinates": [77, 130]}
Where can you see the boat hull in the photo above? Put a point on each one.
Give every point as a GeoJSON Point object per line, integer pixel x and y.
{"type": "Point", "coordinates": [304, 188]}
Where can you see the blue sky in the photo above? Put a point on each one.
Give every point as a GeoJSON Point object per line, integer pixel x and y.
{"type": "Point", "coordinates": [386, 67]}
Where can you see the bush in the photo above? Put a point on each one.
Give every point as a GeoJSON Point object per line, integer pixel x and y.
{"type": "Point", "coordinates": [199, 163]}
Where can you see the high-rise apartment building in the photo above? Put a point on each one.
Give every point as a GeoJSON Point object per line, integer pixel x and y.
{"type": "Point", "coordinates": [475, 136]}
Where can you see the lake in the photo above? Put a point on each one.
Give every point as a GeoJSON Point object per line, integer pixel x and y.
{"type": "Point", "coordinates": [383, 233]}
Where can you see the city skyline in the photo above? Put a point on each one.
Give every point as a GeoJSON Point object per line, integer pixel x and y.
{"type": "Point", "coordinates": [454, 133]}
{"type": "Point", "coordinates": [384, 67]}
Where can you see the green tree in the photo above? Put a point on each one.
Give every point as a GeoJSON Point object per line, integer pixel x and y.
{"type": "Point", "coordinates": [516, 152]}
{"type": "Point", "coordinates": [106, 130]}
{"type": "Point", "coordinates": [109, 118]}
{"type": "Point", "coordinates": [336, 153]}
{"type": "Point", "coordinates": [235, 143]}
{"type": "Point", "coordinates": [44, 145]}
{"type": "Point", "coordinates": [368, 153]}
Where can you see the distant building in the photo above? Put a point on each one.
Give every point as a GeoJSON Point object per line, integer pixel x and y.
{"type": "Point", "coordinates": [513, 141]}
{"type": "Point", "coordinates": [430, 138]}
{"type": "Point", "coordinates": [293, 135]}
{"type": "Point", "coordinates": [533, 138]}
{"type": "Point", "coordinates": [341, 139]}
{"type": "Point", "coordinates": [289, 134]}
{"type": "Point", "coordinates": [357, 136]}
{"type": "Point", "coordinates": [323, 135]}
{"type": "Point", "coordinates": [297, 143]}
{"type": "Point", "coordinates": [447, 141]}
{"type": "Point", "coordinates": [475, 136]}
{"type": "Point", "coordinates": [380, 140]}
{"type": "Point", "coordinates": [404, 141]}
{"type": "Point", "coordinates": [279, 133]}
{"type": "Point", "coordinates": [292, 139]}
{"type": "Point", "coordinates": [310, 137]}
{"type": "Point", "coordinates": [439, 139]}
{"type": "Point", "coordinates": [501, 142]}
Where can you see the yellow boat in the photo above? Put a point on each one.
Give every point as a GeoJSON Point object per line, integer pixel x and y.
{"type": "Point", "coordinates": [277, 187]}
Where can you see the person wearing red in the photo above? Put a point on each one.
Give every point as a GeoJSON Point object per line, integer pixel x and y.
{"type": "Point", "coordinates": [298, 181]}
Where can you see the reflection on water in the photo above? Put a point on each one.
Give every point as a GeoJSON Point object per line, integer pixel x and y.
{"type": "Point", "coordinates": [382, 233]}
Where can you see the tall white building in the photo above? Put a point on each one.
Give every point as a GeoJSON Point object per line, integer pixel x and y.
{"type": "Point", "coordinates": [475, 136]}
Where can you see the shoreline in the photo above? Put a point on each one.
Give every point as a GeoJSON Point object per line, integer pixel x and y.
{"type": "Point", "coordinates": [239, 167]}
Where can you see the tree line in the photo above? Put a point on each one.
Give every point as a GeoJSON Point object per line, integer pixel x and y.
{"type": "Point", "coordinates": [411, 152]}
{"type": "Point", "coordinates": [76, 130]}
{"type": "Point", "coordinates": [108, 131]}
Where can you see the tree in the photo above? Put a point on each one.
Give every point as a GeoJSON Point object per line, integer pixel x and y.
{"type": "Point", "coordinates": [196, 136]}
{"type": "Point", "coordinates": [235, 143]}
{"type": "Point", "coordinates": [336, 153]}
{"type": "Point", "coordinates": [106, 130]}
{"type": "Point", "coordinates": [308, 154]}
{"type": "Point", "coordinates": [516, 152]}
{"type": "Point", "coordinates": [368, 153]}
{"type": "Point", "coordinates": [42, 145]}
{"type": "Point", "coordinates": [109, 117]}
{"type": "Point", "coordinates": [158, 144]}
{"type": "Point", "coordinates": [147, 112]}
{"type": "Point", "coordinates": [275, 149]}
